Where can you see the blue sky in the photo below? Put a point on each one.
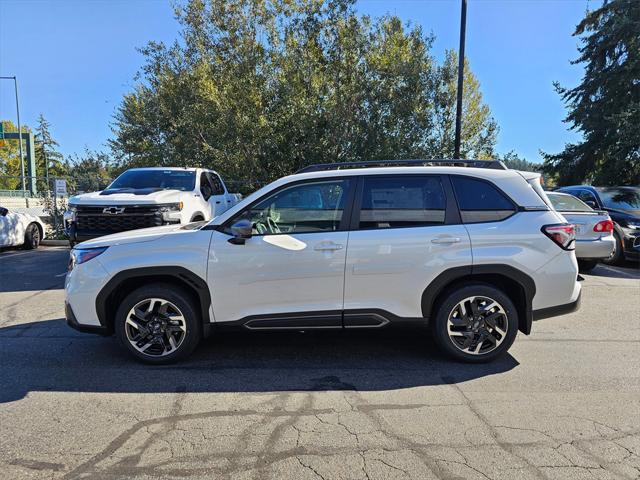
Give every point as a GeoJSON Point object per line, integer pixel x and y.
{"type": "Point", "coordinates": [74, 60]}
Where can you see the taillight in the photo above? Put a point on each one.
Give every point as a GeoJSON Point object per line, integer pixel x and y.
{"type": "Point", "coordinates": [603, 226]}
{"type": "Point", "coordinates": [563, 234]}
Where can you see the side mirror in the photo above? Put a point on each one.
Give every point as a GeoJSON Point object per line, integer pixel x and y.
{"type": "Point", "coordinates": [3, 212]}
{"type": "Point", "coordinates": [592, 204]}
{"type": "Point", "coordinates": [241, 230]}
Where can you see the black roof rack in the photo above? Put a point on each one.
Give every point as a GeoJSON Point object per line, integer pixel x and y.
{"type": "Point", "coordinates": [492, 164]}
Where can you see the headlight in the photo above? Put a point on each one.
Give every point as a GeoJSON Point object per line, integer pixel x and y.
{"type": "Point", "coordinates": [83, 255]}
{"type": "Point", "coordinates": [70, 214]}
{"type": "Point", "coordinates": [171, 211]}
{"type": "Point", "coordinates": [633, 224]}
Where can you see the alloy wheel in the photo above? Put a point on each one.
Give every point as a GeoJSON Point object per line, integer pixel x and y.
{"type": "Point", "coordinates": [477, 325]}
{"type": "Point", "coordinates": [155, 327]}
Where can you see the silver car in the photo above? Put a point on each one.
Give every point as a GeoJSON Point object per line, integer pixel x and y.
{"type": "Point", "coordinates": [594, 229]}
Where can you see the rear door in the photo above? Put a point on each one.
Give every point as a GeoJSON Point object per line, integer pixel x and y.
{"type": "Point", "coordinates": [405, 231]}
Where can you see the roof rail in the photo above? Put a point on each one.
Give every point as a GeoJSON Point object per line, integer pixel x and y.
{"type": "Point", "coordinates": [492, 164]}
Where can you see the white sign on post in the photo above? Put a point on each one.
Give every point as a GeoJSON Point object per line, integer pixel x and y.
{"type": "Point", "coordinates": [61, 188]}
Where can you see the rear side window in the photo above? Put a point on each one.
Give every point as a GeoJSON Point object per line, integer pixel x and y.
{"type": "Point", "coordinates": [480, 201]}
{"type": "Point", "coordinates": [402, 201]}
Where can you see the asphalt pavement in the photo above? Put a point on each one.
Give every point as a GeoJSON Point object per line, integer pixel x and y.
{"type": "Point", "coordinates": [564, 404]}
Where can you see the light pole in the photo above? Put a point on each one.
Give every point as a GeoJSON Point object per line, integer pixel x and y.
{"type": "Point", "coordinates": [15, 83]}
{"type": "Point", "coordinates": [463, 26]}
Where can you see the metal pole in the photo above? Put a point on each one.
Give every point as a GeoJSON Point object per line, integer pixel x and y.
{"type": "Point", "coordinates": [463, 26]}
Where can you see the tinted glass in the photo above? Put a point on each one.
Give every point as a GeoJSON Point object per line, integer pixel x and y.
{"type": "Point", "coordinates": [402, 201]}
{"type": "Point", "coordinates": [205, 186]}
{"type": "Point", "coordinates": [480, 201]}
{"type": "Point", "coordinates": [218, 189]}
{"type": "Point", "coordinates": [568, 203]}
{"type": "Point", "coordinates": [302, 208]}
{"type": "Point", "coordinates": [586, 196]}
{"type": "Point", "coordinates": [160, 179]}
{"type": "Point", "coordinates": [621, 198]}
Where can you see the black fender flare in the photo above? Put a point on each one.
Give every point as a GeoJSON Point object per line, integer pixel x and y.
{"type": "Point", "coordinates": [476, 272]}
{"type": "Point", "coordinates": [182, 275]}
{"type": "Point", "coordinates": [198, 214]}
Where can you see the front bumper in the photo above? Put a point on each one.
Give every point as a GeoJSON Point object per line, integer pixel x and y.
{"type": "Point", "coordinates": [631, 245]}
{"type": "Point", "coordinates": [73, 323]}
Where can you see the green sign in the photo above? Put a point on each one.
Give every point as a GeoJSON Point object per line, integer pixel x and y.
{"type": "Point", "coordinates": [1, 131]}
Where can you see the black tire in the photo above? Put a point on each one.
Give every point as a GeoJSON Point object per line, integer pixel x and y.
{"type": "Point", "coordinates": [451, 299]}
{"type": "Point", "coordinates": [180, 299]}
{"type": "Point", "coordinates": [586, 265]}
{"type": "Point", "coordinates": [32, 237]}
{"type": "Point", "coordinates": [617, 257]}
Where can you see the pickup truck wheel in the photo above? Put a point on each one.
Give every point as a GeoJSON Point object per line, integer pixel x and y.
{"type": "Point", "coordinates": [32, 237]}
{"type": "Point", "coordinates": [475, 323]}
{"type": "Point", "coordinates": [158, 324]}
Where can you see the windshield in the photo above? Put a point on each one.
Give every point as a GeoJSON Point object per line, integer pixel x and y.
{"type": "Point", "coordinates": [160, 179]}
{"type": "Point", "coordinates": [621, 198]}
{"type": "Point", "coordinates": [568, 203]}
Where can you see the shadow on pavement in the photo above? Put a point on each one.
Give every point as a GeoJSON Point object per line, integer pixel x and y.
{"type": "Point", "coordinates": [30, 270]}
{"type": "Point", "coordinates": [628, 270]}
{"type": "Point", "coordinates": [49, 356]}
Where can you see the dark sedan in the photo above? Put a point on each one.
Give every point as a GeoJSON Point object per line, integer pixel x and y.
{"type": "Point", "coordinates": [623, 206]}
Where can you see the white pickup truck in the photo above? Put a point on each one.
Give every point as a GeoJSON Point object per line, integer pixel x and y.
{"type": "Point", "coordinates": [148, 197]}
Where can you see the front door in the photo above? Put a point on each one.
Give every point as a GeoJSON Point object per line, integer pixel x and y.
{"type": "Point", "coordinates": [290, 273]}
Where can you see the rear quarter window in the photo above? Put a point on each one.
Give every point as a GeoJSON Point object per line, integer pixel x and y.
{"type": "Point", "coordinates": [479, 201]}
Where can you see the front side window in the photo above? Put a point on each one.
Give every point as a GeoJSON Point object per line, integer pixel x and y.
{"type": "Point", "coordinates": [205, 186]}
{"type": "Point", "coordinates": [479, 201]}
{"type": "Point", "coordinates": [218, 189]}
{"type": "Point", "coordinates": [586, 196]}
{"type": "Point", "coordinates": [402, 201]}
{"type": "Point", "coordinates": [302, 208]}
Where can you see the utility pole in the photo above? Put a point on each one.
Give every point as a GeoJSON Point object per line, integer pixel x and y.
{"type": "Point", "coordinates": [463, 26]}
{"type": "Point", "coordinates": [15, 84]}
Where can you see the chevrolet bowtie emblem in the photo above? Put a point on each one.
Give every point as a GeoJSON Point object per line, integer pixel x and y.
{"type": "Point", "coordinates": [113, 210]}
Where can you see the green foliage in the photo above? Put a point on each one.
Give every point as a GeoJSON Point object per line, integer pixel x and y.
{"type": "Point", "coordinates": [512, 160]}
{"type": "Point", "coordinates": [89, 172]}
{"type": "Point", "coordinates": [605, 106]}
{"type": "Point", "coordinates": [257, 89]}
{"type": "Point", "coordinates": [46, 150]}
{"type": "Point", "coordinates": [10, 158]}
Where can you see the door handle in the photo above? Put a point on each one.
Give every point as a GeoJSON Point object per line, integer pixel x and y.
{"type": "Point", "coordinates": [445, 240]}
{"type": "Point", "coordinates": [321, 247]}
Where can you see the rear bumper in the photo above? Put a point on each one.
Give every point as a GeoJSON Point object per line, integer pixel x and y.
{"type": "Point", "coordinates": [598, 248]}
{"type": "Point", "coordinates": [558, 310]}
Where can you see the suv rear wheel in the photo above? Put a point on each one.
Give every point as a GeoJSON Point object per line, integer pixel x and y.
{"type": "Point", "coordinates": [158, 324]}
{"type": "Point", "coordinates": [475, 323]}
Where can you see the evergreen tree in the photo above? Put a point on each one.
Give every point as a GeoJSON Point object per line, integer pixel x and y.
{"type": "Point", "coordinates": [605, 106]}
{"type": "Point", "coordinates": [49, 161]}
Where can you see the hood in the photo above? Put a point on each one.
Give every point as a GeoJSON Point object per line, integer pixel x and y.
{"type": "Point", "coordinates": [133, 236]}
{"type": "Point", "coordinates": [127, 197]}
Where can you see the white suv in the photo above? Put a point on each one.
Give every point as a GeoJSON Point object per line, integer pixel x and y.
{"type": "Point", "coordinates": [475, 253]}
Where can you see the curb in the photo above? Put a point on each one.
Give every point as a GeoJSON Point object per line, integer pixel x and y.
{"type": "Point", "coordinates": [54, 243]}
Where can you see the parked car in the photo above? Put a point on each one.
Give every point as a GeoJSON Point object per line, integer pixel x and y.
{"type": "Point", "coordinates": [148, 197]}
{"type": "Point", "coordinates": [476, 253]}
{"type": "Point", "coordinates": [623, 206]}
{"type": "Point", "coordinates": [20, 229]}
{"type": "Point", "coordinates": [594, 229]}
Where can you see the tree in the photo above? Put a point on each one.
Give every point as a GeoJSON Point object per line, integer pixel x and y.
{"type": "Point", "coordinates": [605, 106]}
{"type": "Point", "coordinates": [46, 150]}
{"type": "Point", "coordinates": [512, 160]}
{"type": "Point", "coordinates": [257, 89]}
{"type": "Point", "coordinates": [89, 172]}
{"type": "Point", "coordinates": [479, 129]}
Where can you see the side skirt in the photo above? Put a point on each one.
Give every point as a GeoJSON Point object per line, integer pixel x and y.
{"type": "Point", "coordinates": [322, 320]}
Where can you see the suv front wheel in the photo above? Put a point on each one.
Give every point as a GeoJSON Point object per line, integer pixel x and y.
{"type": "Point", "coordinates": [475, 323]}
{"type": "Point", "coordinates": [158, 324]}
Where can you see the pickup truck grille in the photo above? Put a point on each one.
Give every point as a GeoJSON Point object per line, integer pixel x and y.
{"type": "Point", "coordinates": [117, 218]}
